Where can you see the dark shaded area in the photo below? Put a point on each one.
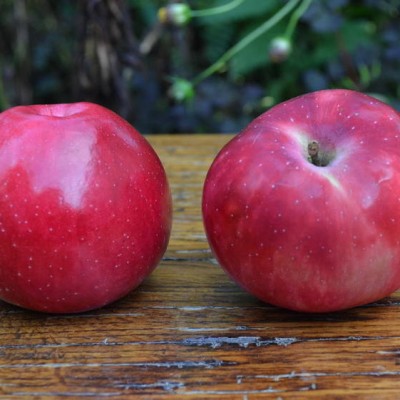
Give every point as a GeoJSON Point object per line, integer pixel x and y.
{"type": "Point", "coordinates": [116, 53]}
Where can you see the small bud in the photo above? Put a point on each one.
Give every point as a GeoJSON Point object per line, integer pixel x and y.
{"type": "Point", "coordinates": [178, 14]}
{"type": "Point", "coordinates": [280, 49]}
{"type": "Point", "coordinates": [181, 90]}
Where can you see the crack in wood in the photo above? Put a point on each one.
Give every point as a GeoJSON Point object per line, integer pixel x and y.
{"type": "Point", "coordinates": [307, 375]}
{"type": "Point", "coordinates": [241, 341]}
{"type": "Point", "coordinates": [208, 341]}
{"type": "Point", "coordinates": [246, 341]}
{"type": "Point", "coordinates": [166, 386]}
{"type": "Point", "coordinates": [203, 364]}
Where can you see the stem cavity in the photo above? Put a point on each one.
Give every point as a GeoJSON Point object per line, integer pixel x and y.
{"type": "Point", "coordinates": [318, 157]}
{"type": "Point", "coordinates": [313, 153]}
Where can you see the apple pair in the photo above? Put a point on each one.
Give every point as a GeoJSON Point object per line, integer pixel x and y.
{"type": "Point", "coordinates": [302, 208]}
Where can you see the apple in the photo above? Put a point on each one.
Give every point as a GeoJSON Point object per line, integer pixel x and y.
{"type": "Point", "coordinates": [85, 207]}
{"type": "Point", "coordinates": [302, 208]}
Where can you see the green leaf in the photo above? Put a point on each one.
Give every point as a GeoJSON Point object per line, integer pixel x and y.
{"type": "Point", "coordinates": [248, 9]}
{"type": "Point", "coordinates": [217, 40]}
{"type": "Point", "coordinates": [322, 53]}
{"type": "Point", "coordinates": [357, 32]}
{"type": "Point", "coordinates": [255, 55]}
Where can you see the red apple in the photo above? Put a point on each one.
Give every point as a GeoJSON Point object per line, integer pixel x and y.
{"type": "Point", "coordinates": [85, 209]}
{"type": "Point", "coordinates": [302, 208]}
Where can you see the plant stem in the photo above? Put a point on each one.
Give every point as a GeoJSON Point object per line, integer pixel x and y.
{"type": "Point", "coordinates": [294, 19]}
{"type": "Point", "coordinates": [216, 10]}
{"type": "Point", "coordinates": [246, 41]}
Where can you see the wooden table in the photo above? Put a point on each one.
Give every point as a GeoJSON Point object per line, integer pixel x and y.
{"type": "Point", "coordinates": [189, 332]}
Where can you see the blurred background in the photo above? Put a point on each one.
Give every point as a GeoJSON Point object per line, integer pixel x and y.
{"type": "Point", "coordinates": [206, 66]}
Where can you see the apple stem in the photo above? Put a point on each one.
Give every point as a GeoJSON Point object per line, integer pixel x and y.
{"type": "Point", "coordinates": [313, 153]}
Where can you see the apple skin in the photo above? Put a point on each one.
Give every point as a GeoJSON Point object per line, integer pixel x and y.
{"type": "Point", "coordinates": [307, 237]}
{"type": "Point", "coordinates": [85, 207]}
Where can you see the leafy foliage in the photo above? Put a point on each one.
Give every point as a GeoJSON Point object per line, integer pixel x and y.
{"type": "Point", "coordinates": [117, 53]}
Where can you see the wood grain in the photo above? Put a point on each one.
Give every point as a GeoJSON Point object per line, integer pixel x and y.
{"type": "Point", "coordinates": [190, 333]}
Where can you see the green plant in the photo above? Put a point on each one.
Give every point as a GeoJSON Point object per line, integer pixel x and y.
{"type": "Point", "coordinates": [281, 43]}
{"type": "Point", "coordinates": [119, 53]}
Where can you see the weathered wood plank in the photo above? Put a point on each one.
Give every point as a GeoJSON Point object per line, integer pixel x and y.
{"type": "Point", "coordinates": [189, 332]}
